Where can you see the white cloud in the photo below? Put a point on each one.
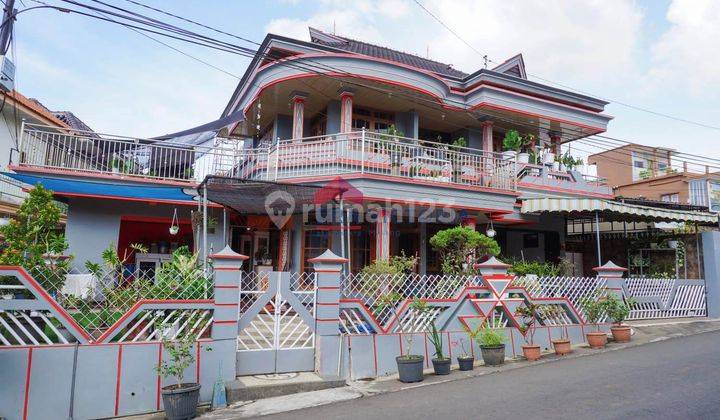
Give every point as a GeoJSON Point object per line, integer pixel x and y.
{"type": "Point", "coordinates": [686, 53]}
{"type": "Point", "coordinates": [563, 40]}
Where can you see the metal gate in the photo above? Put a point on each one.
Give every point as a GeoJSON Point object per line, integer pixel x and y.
{"type": "Point", "coordinates": [276, 329]}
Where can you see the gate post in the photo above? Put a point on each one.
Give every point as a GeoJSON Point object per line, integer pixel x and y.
{"type": "Point", "coordinates": [711, 270]}
{"type": "Point", "coordinates": [613, 275]}
{"type": "Point", "coordinates": [226, 278]}
{"type": "Point", "coordinates": [328, 268]}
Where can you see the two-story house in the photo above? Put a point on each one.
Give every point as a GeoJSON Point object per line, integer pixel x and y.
{"type": "Point", "coordinates": [404, 134]}
{"type": "Point", "coordinates": [637, 171]}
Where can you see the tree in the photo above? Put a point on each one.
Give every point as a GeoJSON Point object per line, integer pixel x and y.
{"type": "Point", "coordinates": [32, 235]}
{"type": "Point", "coordinates": [457, 244]}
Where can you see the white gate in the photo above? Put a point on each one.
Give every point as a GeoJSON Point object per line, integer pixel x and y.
{"type": "Point", "coordinates": [276, 329]}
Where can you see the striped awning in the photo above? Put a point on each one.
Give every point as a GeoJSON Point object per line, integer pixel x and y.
{"type": "Point", "coordinates": [611, 210]}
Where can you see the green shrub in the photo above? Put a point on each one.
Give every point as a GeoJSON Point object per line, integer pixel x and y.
{"type": "Point", "coordinates": [540, 269]}
{"type": "Point", "coordinates": [490, 337]}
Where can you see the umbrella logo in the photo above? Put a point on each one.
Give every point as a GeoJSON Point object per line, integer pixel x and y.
{"type": "Point", "coordinates": [279, 205]}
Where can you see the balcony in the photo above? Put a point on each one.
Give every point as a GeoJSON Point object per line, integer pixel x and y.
{"type": "Point", "coordinates": [545, 178]}
{"type": "Point", "coordinates": [362, 153]}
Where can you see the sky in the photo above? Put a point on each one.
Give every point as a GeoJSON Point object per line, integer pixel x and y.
{"type": "Point", "coordinates": [659, 55]}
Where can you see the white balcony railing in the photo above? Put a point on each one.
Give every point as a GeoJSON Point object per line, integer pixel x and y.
{"type": "Point", "coordinates": [358, 152]}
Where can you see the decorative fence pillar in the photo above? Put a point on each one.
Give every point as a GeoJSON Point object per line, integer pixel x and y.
{"type": "Point", "coordinates": [227, 276]}
{"type": "Point", "coordinates": [613, 275]}
{"type": "Point", "coordinates": [492, 267]}
{"type": "Point", "coordinates": [711, 271]}
{"type": "Point", "coordinates": [328, 342]}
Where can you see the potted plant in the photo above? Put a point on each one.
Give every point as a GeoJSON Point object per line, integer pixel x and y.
{"type": "Point", "coordinates": [527, 144]}
{"type": "Point", "coordinates": [558, 165]}
{"type": "Point", "coordinates": [410, 366]}
{"type": "Point", "coordinates": [180, 400]}
{"type": "Point", "coordinates": [528, 317]}
{"type": "Point", "coordinates": [441, 364]}
{"type": "Point", "coordinates": [511, 144]}
{"type": "Point", "coordinates": [618, 310]}
{"type": "Point", "coordinates": [594, 311]}
{"type": "Point", "coordinates": [492, 345]}
{"type": "Point", "coordinates": [465, 360]}
{"type": "Point", "coordinates": [548, 157]}
{"type": "Point", "coordinates": [562, 345]}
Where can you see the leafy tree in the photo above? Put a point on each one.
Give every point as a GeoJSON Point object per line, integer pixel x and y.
{"type": "Point", "coordinates": [32, 235]}
{"type": "Point", "coordinates": [456, 245]}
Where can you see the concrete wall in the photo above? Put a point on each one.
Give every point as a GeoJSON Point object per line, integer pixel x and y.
{"type": "Point", "coordinates": [93, 224]}
{"type": "Point", "coordinates": [711, 257]}
{"type": "Point", "coordinates": [333, 117]}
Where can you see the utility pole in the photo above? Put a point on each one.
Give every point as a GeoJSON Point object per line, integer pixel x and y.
{"type": "Point", "coordinates": [7, 26]}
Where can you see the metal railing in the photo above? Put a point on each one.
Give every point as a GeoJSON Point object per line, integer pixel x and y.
{"type": "Point", "coordinates": [355, 152]}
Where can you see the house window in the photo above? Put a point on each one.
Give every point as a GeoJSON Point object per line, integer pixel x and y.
{"type": "Point", "coordinates": [316, 242]}
{"type": "Point", "coordinates": [376, 121]}
{"type": "Point", "coordinates": [360, 248]}
{"type": "Point", "coordinates": [670, 198]}
{"type": "Point", "coordinates": [714, 196]}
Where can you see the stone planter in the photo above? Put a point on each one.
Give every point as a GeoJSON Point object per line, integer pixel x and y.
{"type": "Point", "coordinates": [562, 347]}
{"type": "Point", "coordinates": [410, 369]}
{"type": "Point", "coordinates": [596, 340]}
{"type": "Point", "coordinates": [441, 366]}
{"type": "Point", "coordinates": [531, 352]}
{"type": "Point", "coordinates": [466, 363]}
{"type": "Point", "coordinates": [493, 356]}
{"type": "Point", "coordinates": [181, 403]}
{"type": "Point", "coordinates": [621, 333]}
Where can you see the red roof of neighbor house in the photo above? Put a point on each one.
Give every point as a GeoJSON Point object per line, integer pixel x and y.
{"type": "Point", "coordinates": [33, 106]}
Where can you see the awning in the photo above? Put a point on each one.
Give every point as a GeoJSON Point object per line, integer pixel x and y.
{"type": "Point", "coordinates": [112, 190]}
{"type": "Point", "coordinates": [611, 210]}
{"type": "Point", "coordinates": [258, 197]}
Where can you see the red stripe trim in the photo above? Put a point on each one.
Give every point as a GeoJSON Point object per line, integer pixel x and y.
{"type": "Point", "coordinates": [329, 288]}
{"type": "Point", "coordinates": [449, 346]}
{"type": "Point", "coordinates": [427, 354]}
{"type": "Point", "coordinates": [327, 304]}
{"type": "Point", "coordinates": [225, 287]}
{"type": "Point", "coordinates": [27, 384]}
{"type": "Point", "coordinates": [225, 321]}
{"type": "Point", "coordinates": [512, 342]}
{"type": "Point", "coordinates": [197, 361]}
{"type": "Point", "coordinates": [225, 304]}
{"type": "Point", "coordinates": [157, 388]}
{"type": "Point", "coordinates": [375, 358]}
{"type": "Point", "coordinates": [233, 268]}
{"type": "Point", "coordinates": [327, 320]}
{"type": "Point", "coordinates": [327, 271]}
{"type": "Point", "coordinates": [117, 380]}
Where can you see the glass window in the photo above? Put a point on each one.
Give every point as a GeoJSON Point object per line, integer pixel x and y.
{"type": "Point", "coordinates": [714, 196]}
{"type": "Point", "coordinates": [670, 198]}
{"type": "Point", "coordinates": [316, 242]}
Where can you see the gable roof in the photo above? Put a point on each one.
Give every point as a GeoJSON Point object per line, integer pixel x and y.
{"type": "Point", "coordinates": [358, 47]}
{"type": "Point", "coordinates": [70, 119]}
{"type": "Point", "coordinates": [514, 66]}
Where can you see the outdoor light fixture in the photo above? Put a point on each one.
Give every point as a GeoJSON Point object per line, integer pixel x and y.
{"type": "Point", "coordinates": [490, 232]}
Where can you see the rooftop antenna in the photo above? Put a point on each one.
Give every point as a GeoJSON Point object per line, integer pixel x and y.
{"type": "Point", "coordinates": [485, 60]}
{"type": "Point", "coordinates": [334, 33]}
{"type": "Point", "coordinates": [427, 51]}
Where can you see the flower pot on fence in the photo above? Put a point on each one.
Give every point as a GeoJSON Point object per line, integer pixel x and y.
{"type": "Point", "coordinates": [509, 155]}
{"type": "Point", "coordinates": [523, 157]}
{"type": "Point", "coordinates": [441, 366]}
{"type": "Point", "coordinates": [596, 340]}
{"type": "Point", "coordinates": [621, 333]}
{"type": "Point", "coordinates": [466, 363]}
{"type": "Point", "coordinates": [410, 368]}
{"type": "Point", "coordinates": [493, 355]}
{"type": "Point", "coordinates": [181, 403]}
{"type": "Point", "coordinates": [531, 352]}
{"type": "Point", "coordinates": [562, 347]}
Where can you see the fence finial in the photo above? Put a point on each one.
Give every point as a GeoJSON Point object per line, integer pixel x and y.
{"type": "Point", "coordinates": [492, 266]}
{"type": "Point", "coordinates": [610, 269]}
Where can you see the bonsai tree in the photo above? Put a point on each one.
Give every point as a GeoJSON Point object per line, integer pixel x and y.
{"type": "Point", "coordinates": [456, 245]}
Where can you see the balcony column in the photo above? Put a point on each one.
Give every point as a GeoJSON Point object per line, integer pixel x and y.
{"type": "Point", "coordinates": [555, 141]}
{"type": "Point", "coordinates": [346, 109]}
{"type": "Point", "coordinates": [487, 136]}
{"type": "Point", "coordinates": [382, 234]}
{"type": "Point", "coordinates": [298, 110]}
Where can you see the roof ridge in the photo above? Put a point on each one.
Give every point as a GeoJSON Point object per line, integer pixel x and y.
{"type": "Point", "coordinates": [448, 65]}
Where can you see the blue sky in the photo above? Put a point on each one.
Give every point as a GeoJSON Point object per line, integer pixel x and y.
{"type": "Point", "coordinates": [653, 54]}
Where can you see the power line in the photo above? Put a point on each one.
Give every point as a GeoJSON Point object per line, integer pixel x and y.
{"type": "Point", "coordinates": [635, 107]}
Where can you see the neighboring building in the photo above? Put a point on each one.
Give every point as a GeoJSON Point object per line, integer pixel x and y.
{"type": "Point", "coordinates": [387, 123]}
{"type": "Point", "coordinates": [630, 163]}
{"type": "Point", "coordinates": [16, 108]}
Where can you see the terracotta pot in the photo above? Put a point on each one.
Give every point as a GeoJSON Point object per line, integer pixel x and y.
{"type": "Point", "coordinates": [531, 352]}
{"type": "Point", "coordinates": [562, 347]}
{"type": "Point", "coordinates": [621, 333]}
{"type": "Point", "coordinates": [596, 340]}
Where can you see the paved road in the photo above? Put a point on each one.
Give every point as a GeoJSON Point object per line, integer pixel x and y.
{"type": "Point", "coordinates": [674, 379]}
